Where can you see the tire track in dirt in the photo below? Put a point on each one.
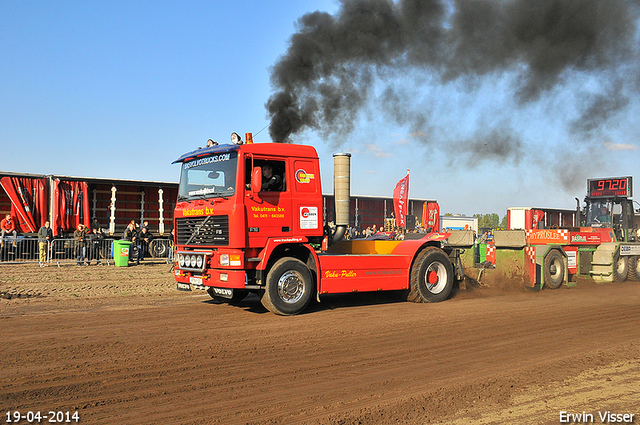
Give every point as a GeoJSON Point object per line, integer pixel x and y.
{"type": "Point", "coordinates": [196, 362]}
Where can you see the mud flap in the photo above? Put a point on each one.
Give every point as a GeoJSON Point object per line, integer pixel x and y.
{"type": "Point", "coordinates": [458, 269]}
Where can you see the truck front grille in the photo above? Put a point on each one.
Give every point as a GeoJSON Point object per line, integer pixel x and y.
{"type": "Point", "coordinates": [211, 230]}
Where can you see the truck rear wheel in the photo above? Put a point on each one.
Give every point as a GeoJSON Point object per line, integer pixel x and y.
{"type": "Point", "coordinates": [553, 270]}
{"type": "Point", "coordinates": [620, 267]}
{"type": "Point", "coordinates": [431, 278]}
{"type": "Point", "coordinates": [634, 268]}
{"type": "Point", "coordinates": [289, 287]}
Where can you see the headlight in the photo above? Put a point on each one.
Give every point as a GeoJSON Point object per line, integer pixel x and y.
{"type": "Point", "coordinates": [181, 260]}
{"type": "Point", "coordinates": [224, 259]}
{"type": "Point", "coordinates": [199, 261]}
{"type": "Point", "coordinates": [187, 261]}
{"type": "Point", "coordinates": [193, 261]}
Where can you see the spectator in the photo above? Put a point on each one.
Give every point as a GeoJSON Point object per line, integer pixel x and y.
{"type": "Point", "coordinates": [129, 232]}
{"type": "Point", "coordinates": [270, 182]}
{"type": "Point", "coordinates": [95, 224]}
{"type": "Point", "coordinates": [95, 240]}
{"type": "Point", "coordinates": [236, 139]}
{"type": "Point", "coordinates": [171, 243]}
{"type": "Point", "coordinates": [45, 236]}
{"type": "Point", "coordinates": [79, 236]}
{"type": "Point", "coordinates": [142, 242]}
{"type": "Point", "coordinates": [8, 226]}
{"type": "Point", "coordinates": [211, 143]}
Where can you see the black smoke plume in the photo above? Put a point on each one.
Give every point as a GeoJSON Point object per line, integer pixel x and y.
{"type": "Point", "coordinates": [333, 62]}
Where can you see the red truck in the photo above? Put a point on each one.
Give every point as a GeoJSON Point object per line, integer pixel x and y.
{"type": "Point", "coordinates": [240, 230]}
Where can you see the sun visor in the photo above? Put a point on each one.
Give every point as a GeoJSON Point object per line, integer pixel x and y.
{"type": "Point", "coordinates": [200, 152]}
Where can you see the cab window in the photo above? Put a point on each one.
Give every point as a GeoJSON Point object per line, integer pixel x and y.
{"type": "Point", "coordinates": [273, 174]}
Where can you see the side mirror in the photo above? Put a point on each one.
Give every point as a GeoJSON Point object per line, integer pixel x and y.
{"type": "Point", "coordinates": [256, 179]}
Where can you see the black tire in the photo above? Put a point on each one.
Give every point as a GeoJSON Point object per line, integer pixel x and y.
{"type": "Point", "coordinates": [634, 268]}
{"type": "Point", "coordinates": [431, 278]}
{"type": "Point", "coordinates": [620, 267]}
{"type": "Point", "coordinates": [159, 248]}
{"type": "Point", "coordinates": [553, 270]}
{"type": "Point", "coordinates": [289, 287]}
{"type": "Point", "coordinates": [238, 295]}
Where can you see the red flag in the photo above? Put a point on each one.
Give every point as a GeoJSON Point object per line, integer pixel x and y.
{"type": "Point", "coordinates": [401, 200]}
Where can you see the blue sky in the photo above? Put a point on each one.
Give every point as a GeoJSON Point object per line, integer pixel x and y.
{"type": "Point", "coordinates": [121, 89]}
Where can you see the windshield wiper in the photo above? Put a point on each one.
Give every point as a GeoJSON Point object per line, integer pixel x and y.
{"type": "Point", "coordinates": [220, 195]}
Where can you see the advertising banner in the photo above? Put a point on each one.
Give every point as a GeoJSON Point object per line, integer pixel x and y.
{"type": "Point", "coordinates": [431, 217]}
{"type": "Point", "coordinates": [70, 205]}
{"type": "Point", "coordinates": [401, 200]}
{"type": "Point", "coordinates": [28, 201]}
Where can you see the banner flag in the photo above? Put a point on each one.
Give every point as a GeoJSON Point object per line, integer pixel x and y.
{"type": "Point", "coordinates": [401, 200]}
{"type": "Point", "coordinates": [431, 217]}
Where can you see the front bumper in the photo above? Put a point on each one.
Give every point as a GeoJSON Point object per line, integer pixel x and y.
{"type": "Point", "coordinates": [219, 278]}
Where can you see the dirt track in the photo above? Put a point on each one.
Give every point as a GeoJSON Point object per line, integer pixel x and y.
{"type": "Point", "coordinates": [120, 345]}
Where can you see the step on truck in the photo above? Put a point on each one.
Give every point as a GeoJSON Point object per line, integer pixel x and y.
{"type": "Point", "coordinates": [250, 219]}
{"type": "Point", "coordinates": [546, 248]}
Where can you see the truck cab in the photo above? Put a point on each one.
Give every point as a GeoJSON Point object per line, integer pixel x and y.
{"type": "Point", "coordinates": [225, 217]}
{"type": "Point", "coordinates": [615, 214]}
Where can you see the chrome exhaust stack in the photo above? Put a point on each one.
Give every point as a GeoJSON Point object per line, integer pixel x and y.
{"type": "Point", "coordinates": [341, 193]}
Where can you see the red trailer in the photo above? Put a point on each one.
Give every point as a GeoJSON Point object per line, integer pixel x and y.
{"type": "Point", "coordinates": [67, 201]}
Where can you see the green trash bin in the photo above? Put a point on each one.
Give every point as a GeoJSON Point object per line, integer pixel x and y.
{"type": "Point", "coordinates": [121, 253]}
{"type": "Point", "coordinates": [482, 247]}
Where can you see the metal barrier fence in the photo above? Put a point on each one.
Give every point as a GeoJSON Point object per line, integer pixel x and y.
{"type": "Point", "coordinates": [67, 250]}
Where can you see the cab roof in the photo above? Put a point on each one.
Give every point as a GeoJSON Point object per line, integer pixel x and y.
{"type": "Point", "coordinates": [276, 149]}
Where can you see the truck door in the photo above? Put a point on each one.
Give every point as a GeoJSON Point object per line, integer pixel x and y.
{"type": "Point", "coordinates": [307, 198]}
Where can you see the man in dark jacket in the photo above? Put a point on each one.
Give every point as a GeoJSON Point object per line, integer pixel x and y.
{"type": "Point", "coordinates": [270, 181]}
{"type": "Point", "coordinates": [142, 242]}
{"type": "Point", "coordinates": [95, 240]}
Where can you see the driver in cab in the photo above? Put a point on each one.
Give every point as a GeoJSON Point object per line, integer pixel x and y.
{"type": "Point", "coordinates": [270, 182]}
{"type": "Point", "coordinates": [604, 216]}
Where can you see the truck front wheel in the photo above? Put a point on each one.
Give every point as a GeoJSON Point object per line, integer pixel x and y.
{"type": "Point", "coordinates": [289, 287]}
{"type": "Point", "coordinates": [431, 277]}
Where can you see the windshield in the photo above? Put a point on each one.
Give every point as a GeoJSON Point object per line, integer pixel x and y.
{"type": "Point", "coordinates": [209, 177]}
{"type": "Point", "coordinates": [599, 214]}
